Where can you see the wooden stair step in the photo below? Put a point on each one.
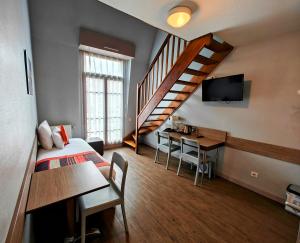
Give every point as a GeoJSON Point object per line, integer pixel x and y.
{"type": "Point", "coordinates": [179, 92]}
{"type": "Point", "coordinates": [159, 114]}
{"type": "Point", "coordinates": [204, 60]}
{"type": "Point", "coordinates": [194, 72]}
{"type": "Point", "coordinates": [176, 100]}
{"type": "Point", "coordinates": [149, 126]}
{"type": "Point", "coordinates": [216, 46]}
{"type": "Point", "coordinates": [155, 120]}
{"type": "Point", "coordinates": [144, 130]}
{"type": "Point", "coordinates": [165, 107]}
{"type": "Point", "coordinates": [131, 143]}
{"type": "Point", "coordinates": [186, 83]}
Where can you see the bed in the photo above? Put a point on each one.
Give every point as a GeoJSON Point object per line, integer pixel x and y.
{"type": "Point", "coordinates": [77, 151]}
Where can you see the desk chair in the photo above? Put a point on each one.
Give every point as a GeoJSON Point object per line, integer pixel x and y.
{"type": "Point", "coordinates": [105, 198]}
{"type": "Point", "coordinates": [197, 158]}
{"type": "Point", "coordinates": [165, 146]}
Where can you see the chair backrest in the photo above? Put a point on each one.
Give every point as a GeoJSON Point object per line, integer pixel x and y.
{"type": "Point", "coordinates": [161, 134]}
{"type": "Point", "coordinates": [191, 143]}
{"type": "Point", "coordinates": [122, 166]}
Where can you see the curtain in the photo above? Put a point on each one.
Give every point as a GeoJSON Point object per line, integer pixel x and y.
{"type": "Point", "coordinates": [98, 65]}
{"type": "Point", "coordinates": [103, 81]}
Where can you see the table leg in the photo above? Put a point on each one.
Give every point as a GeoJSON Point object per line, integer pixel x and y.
{"type": "Point", "coordinates": [215, 167]}
{"type": "Point", "coordinates": [298, 238]}
{"type": "Point", "coordinates": [70, 203]}
{"type": "Point", "coordinates": [169, 154]}
{"type": "Point", "coordinates": [204, 162]}
{"type": "Point", "coordinates": [198, 167]}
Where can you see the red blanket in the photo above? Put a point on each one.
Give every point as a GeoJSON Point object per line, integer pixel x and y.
{"type": "Point", "coordinates": [55, 162]}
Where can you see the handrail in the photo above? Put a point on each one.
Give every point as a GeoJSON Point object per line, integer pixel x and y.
{"type": "Point", "coordinates": [173, 75]}
{"type": "Point", "coordinates": [156, 57]}
{"type": "Point", "coordinates": [173, 60]}
{"type": "Point", "coordinates": [163, 61]}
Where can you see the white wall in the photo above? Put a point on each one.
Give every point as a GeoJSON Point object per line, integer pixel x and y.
{"type": "Point", "coordinates": [55, 36]}
{"type": "Point", "coordinates": [270, 113]}
{"type": "Point", "coordinates": [158, 40]}
{"type": "Point", "coordinates": [18, 110]}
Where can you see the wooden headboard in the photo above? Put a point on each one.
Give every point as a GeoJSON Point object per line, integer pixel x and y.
{"type": "Point", "coordinates": [16, 228]}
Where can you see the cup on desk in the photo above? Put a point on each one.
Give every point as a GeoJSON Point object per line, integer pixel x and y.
{"type": "Point", "coordinates": [187, 129]}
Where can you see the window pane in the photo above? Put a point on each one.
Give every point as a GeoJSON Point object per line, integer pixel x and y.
{"type": "Point", "coordinates": [102, 65]}
{"type": "Point", "coordinates": [104, 72]}
{"type": "Point", "coordinates": [95, 108]}
{"type": "Point", "coordinates": [114, 111]}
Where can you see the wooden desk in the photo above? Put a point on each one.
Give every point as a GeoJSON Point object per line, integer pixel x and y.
{"type": "Point", "coordinates": [52, 186]}
{"type": "Point", "coordinates": [204, 142]}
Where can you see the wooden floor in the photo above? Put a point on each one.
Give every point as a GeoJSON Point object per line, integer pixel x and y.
{"type": "Point", "coordinates": [162, 207]}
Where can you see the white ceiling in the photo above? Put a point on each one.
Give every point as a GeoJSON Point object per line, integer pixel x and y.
{"type": "Point", "coordinates": [236, 21]}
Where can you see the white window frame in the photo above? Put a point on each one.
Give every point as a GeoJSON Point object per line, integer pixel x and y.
{"type": "Point", "coordinates": [105, 78]}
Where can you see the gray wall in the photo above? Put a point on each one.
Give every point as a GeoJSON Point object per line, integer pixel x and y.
{"type": "Point", "coordinates": [17, 109]}
{"type": "Point", "coordinates": [55, 36]}
{"type": "Point", "coordinates": [270, 113]}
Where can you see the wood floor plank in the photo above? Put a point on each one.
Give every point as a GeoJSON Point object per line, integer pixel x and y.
{"type": "Point", "coordinates": [162, 207]}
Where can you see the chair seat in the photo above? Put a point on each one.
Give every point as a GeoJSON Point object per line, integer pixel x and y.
{"type": "Point", "coordinates": [102, 199]}
{"type": "Point", "coordinates": [193, 153]}
{"type": "Point", "coordinates": [174, 147]}
{"type": "Point", "coordinates": [192, 157]}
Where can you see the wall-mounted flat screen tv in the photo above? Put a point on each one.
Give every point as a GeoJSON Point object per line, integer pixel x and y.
{"type": "Point", "coordinates": [228, 88]}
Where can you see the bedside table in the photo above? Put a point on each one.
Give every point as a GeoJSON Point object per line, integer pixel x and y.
{"type": "Point", "coordinates": [97, 144]}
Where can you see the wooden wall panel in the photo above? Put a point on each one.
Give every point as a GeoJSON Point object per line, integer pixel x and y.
{"type": "Point", "coordinates": [15, 233]}
{"type": "Point", "coordinates": [265, 149]}
{"type": "Point", "coordinates": [212, 133]}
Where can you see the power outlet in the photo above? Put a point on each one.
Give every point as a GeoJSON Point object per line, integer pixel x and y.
{"type": "Point", "coordinates": [254, 174]}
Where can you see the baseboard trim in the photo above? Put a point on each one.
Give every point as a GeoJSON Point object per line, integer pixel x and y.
{"type": "Point", "coordinates": [252, 188]}
{"type": "Point", "coordinates": [242, 184]}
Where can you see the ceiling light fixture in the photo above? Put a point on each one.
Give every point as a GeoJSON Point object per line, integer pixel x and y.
{"type": "Point", "coordinates": [179, 16]}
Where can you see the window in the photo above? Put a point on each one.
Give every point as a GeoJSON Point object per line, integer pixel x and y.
{"type": "Point", "coordinates": [103, 95]}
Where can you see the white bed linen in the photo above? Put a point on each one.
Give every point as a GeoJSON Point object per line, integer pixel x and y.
{"type": "Point", "coordinates": [75, 146]}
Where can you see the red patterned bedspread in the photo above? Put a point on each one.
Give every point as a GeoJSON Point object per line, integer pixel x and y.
{"type": "Point", "coordinates": [55, 162]}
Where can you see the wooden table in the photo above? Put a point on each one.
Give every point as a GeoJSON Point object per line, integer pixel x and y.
{"type": "Point", "coordinates": [64, 184]}
{"type": "Point", "coordinates": [204, 142]}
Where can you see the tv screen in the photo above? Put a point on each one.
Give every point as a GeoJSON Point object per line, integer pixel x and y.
{"type": "Point", "coordinates": [223, 89]}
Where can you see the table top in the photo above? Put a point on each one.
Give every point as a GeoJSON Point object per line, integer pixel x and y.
{"type": "Point", "coordinates": [55, 185]}
{"type": "Point", "coordinates": [204, 142]}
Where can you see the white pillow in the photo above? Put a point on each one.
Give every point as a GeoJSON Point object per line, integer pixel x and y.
{"type": "Point", "coordinates": [57, 139]}
{"type": "Point", "coordinates": [44, 134]}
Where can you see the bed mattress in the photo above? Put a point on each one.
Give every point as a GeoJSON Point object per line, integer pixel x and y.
{"type": "Point", "coordinates": [77, 151]}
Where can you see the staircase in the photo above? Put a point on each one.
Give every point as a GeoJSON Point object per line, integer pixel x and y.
{"type": "Point", "coordinates": [176, 72]}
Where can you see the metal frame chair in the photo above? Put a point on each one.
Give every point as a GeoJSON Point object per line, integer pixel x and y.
{"type": "Point", "coordinates": [169, 146]}
{"type": "Point", "coordinates": [196, 157]}
{"type": "Point", "coordinates": [105, 198]}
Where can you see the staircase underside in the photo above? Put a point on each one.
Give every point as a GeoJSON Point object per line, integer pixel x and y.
{"type": "Point", "coordinates": [200, 57]}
